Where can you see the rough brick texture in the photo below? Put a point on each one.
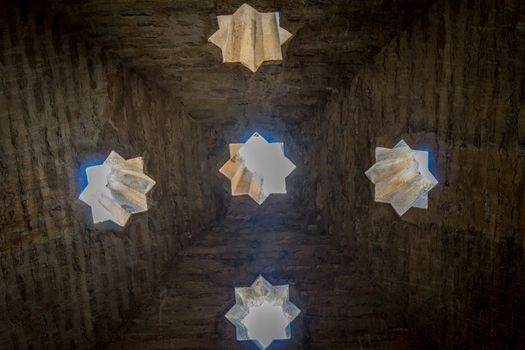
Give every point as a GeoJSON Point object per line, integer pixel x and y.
{"type": "Point", "coordinates": [340, 309]}
{"type": "Point", "coordinates": [64, 103]}
{"type": "Point", "coordinates": [169, 41]}
{"type": "Point", "coordinates": [284, 239]}
{"type": "Point", "coordinates": [451, 84]}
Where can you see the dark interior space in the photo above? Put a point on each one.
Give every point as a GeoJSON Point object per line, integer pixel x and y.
{"type": "Point", "coordinates": [79, 79]}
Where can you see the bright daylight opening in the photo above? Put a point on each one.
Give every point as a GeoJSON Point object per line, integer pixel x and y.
{"type": "Point", "coordinates": [266, 323]}
{"type": "Point", "coordinates": [116, 189]}
{"type": "Point", "coordinates": [401, 177]}
{"type": "Point", "coordinates": [257, 168]}
{"type": "Point", "coordinates": [262, 313]}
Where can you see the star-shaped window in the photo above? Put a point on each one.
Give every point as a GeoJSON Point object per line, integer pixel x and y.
{"type": "Point", "coordinates": [116, 189]}
{"type": "Point", "coordinates": [257, 168]}
{"type": "Point", "coordinates": [401, 177]}
{"type": "Point", "coordinates": [250, 37]}
{"type": "Point", "coordinates": [262, 313]}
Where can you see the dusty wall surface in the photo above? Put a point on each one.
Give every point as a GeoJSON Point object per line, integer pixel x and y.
{"type": "Point", "coordinates": [283, 239]}
{"type": "Point", "coordinates": [452, 84]}
{"type": "Point", "coordinates": [65, 104]}
{"type": "Point", "coordinates": [340, 309]}
{"type": "Point", "coordinates": [168, 41]}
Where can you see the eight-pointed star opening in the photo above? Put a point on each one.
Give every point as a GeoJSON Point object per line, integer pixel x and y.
{"type": "Point", "coordinates": [262, 313]}
{"type": "Point", "coordinates": [250, 37]}
{"type": "Point", "coordinates": [257, 168]}
{"type": "Point", "coordinates": [116, 189]}
{"type": "Point", "coordinates": [401, 177]}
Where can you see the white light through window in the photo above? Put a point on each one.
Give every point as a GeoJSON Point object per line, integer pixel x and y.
{"type": "Point", "coordinates": [265, 323]}
{"type": "Point", "coordinates": [257, 168]}
{"type": "Point", "coordinates": [401, 177]}
{"type": "Point", "coordinates": [116, 189]}
{"type": "Point", "coordinates": [250, 37]}
{"type": "Point", "coordinates": [262, 313]}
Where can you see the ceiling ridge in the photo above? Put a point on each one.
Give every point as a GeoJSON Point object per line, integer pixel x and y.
{"type": "Point", "coordinates": [126, 64]}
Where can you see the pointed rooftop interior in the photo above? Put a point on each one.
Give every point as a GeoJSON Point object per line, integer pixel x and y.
{"type": "Point", "coordinates": [79, 79]}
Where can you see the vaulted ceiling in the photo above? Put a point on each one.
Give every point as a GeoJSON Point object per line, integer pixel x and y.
{"type": "Point", "coordinates": [81, 78]}
{"type": "Point", "coordinates": [167, 41]}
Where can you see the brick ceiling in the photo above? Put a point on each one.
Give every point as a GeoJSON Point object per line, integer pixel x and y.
{"type": "Point", "coordinates": [167, 41]}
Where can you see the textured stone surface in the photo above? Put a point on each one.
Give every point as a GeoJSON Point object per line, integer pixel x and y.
{"type": "Point", "coordinates": [452, 84]}
{"type": "Point", "coordinates": [339, 309]}
{"type": "Point", "coordinates": [168, 41]}
{"type": "Point", "coordinates": [67, 284]}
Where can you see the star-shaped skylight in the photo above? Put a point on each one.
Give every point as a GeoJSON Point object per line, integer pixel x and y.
{"type": "Point", "coordinates": [250, 37]}
{"type": "Point", "coordinates": [116, 189]}
{"type": "Point", "coordinates": [257, 168]}
{"type": "Point", "coordinates": [262, 313]}
{"type": "Point", "coordinates": [401, 177]}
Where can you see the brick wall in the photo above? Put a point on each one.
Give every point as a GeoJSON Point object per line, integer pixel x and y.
{"type": "Point", "coordinates": [64, 104]}
{"type": "Point", "coordinates": [283, 239]}
{"type": "Point", "coordinates": [340, 309]}
{"type": "Point", "coordinates": [452, 84]}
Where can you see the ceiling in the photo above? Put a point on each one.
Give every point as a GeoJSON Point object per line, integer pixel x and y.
{"type": "Point", "coordinates": [167, 41]}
